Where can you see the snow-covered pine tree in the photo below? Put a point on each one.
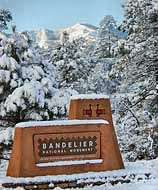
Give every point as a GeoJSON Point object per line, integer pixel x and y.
{"type": "Point", "coordinates": [136, 69]}
{"type": "Point", "coordinates": [71, 62]}
{"type": "Point", "coordinates": [98, 80]}
{"type": "Point", "coordinates": [106, 37]}
{"type": "Point", "coordinates": [27, 82]}
{"type": "Point", "coordinates": [5, 17]}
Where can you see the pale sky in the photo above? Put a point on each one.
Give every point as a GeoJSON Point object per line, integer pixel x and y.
{"type": "Point", "coordinates": [55, 14]}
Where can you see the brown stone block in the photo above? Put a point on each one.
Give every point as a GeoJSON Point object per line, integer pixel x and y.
{"type": "Point", "coordinates": [62, 147]}
{"type": "Point", "coordinates": [95, 107]}
{"type": "Point", "coordinates": [90, 109]}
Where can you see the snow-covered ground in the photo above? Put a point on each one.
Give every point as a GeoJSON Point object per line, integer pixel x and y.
{"type": "Point", "coordinates": [140, 175]}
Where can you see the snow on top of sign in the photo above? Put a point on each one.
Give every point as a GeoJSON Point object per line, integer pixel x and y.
{"type": "Point", "coordinates": [89, 96]}
{"type": "Point", "coordinates": [71, 162]}
{"type": "Point", "coordinates": [59, 123]}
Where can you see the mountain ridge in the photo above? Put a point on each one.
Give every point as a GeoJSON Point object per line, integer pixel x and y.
{"type": "Point", "coordinates": [46, 37]}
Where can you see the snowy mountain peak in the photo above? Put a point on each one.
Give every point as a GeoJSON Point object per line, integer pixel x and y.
{"type": "Point", "coordinates": [82, 26]}
{"type": "Point", "coordinates": [82, 30]}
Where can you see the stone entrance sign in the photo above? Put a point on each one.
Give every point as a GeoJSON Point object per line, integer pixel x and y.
{"type": "Point", "coordinates": [84, 143]}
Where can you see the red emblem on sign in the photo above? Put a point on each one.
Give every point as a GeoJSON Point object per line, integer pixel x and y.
{"type": "Point", "coordinates": [88, 111]}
